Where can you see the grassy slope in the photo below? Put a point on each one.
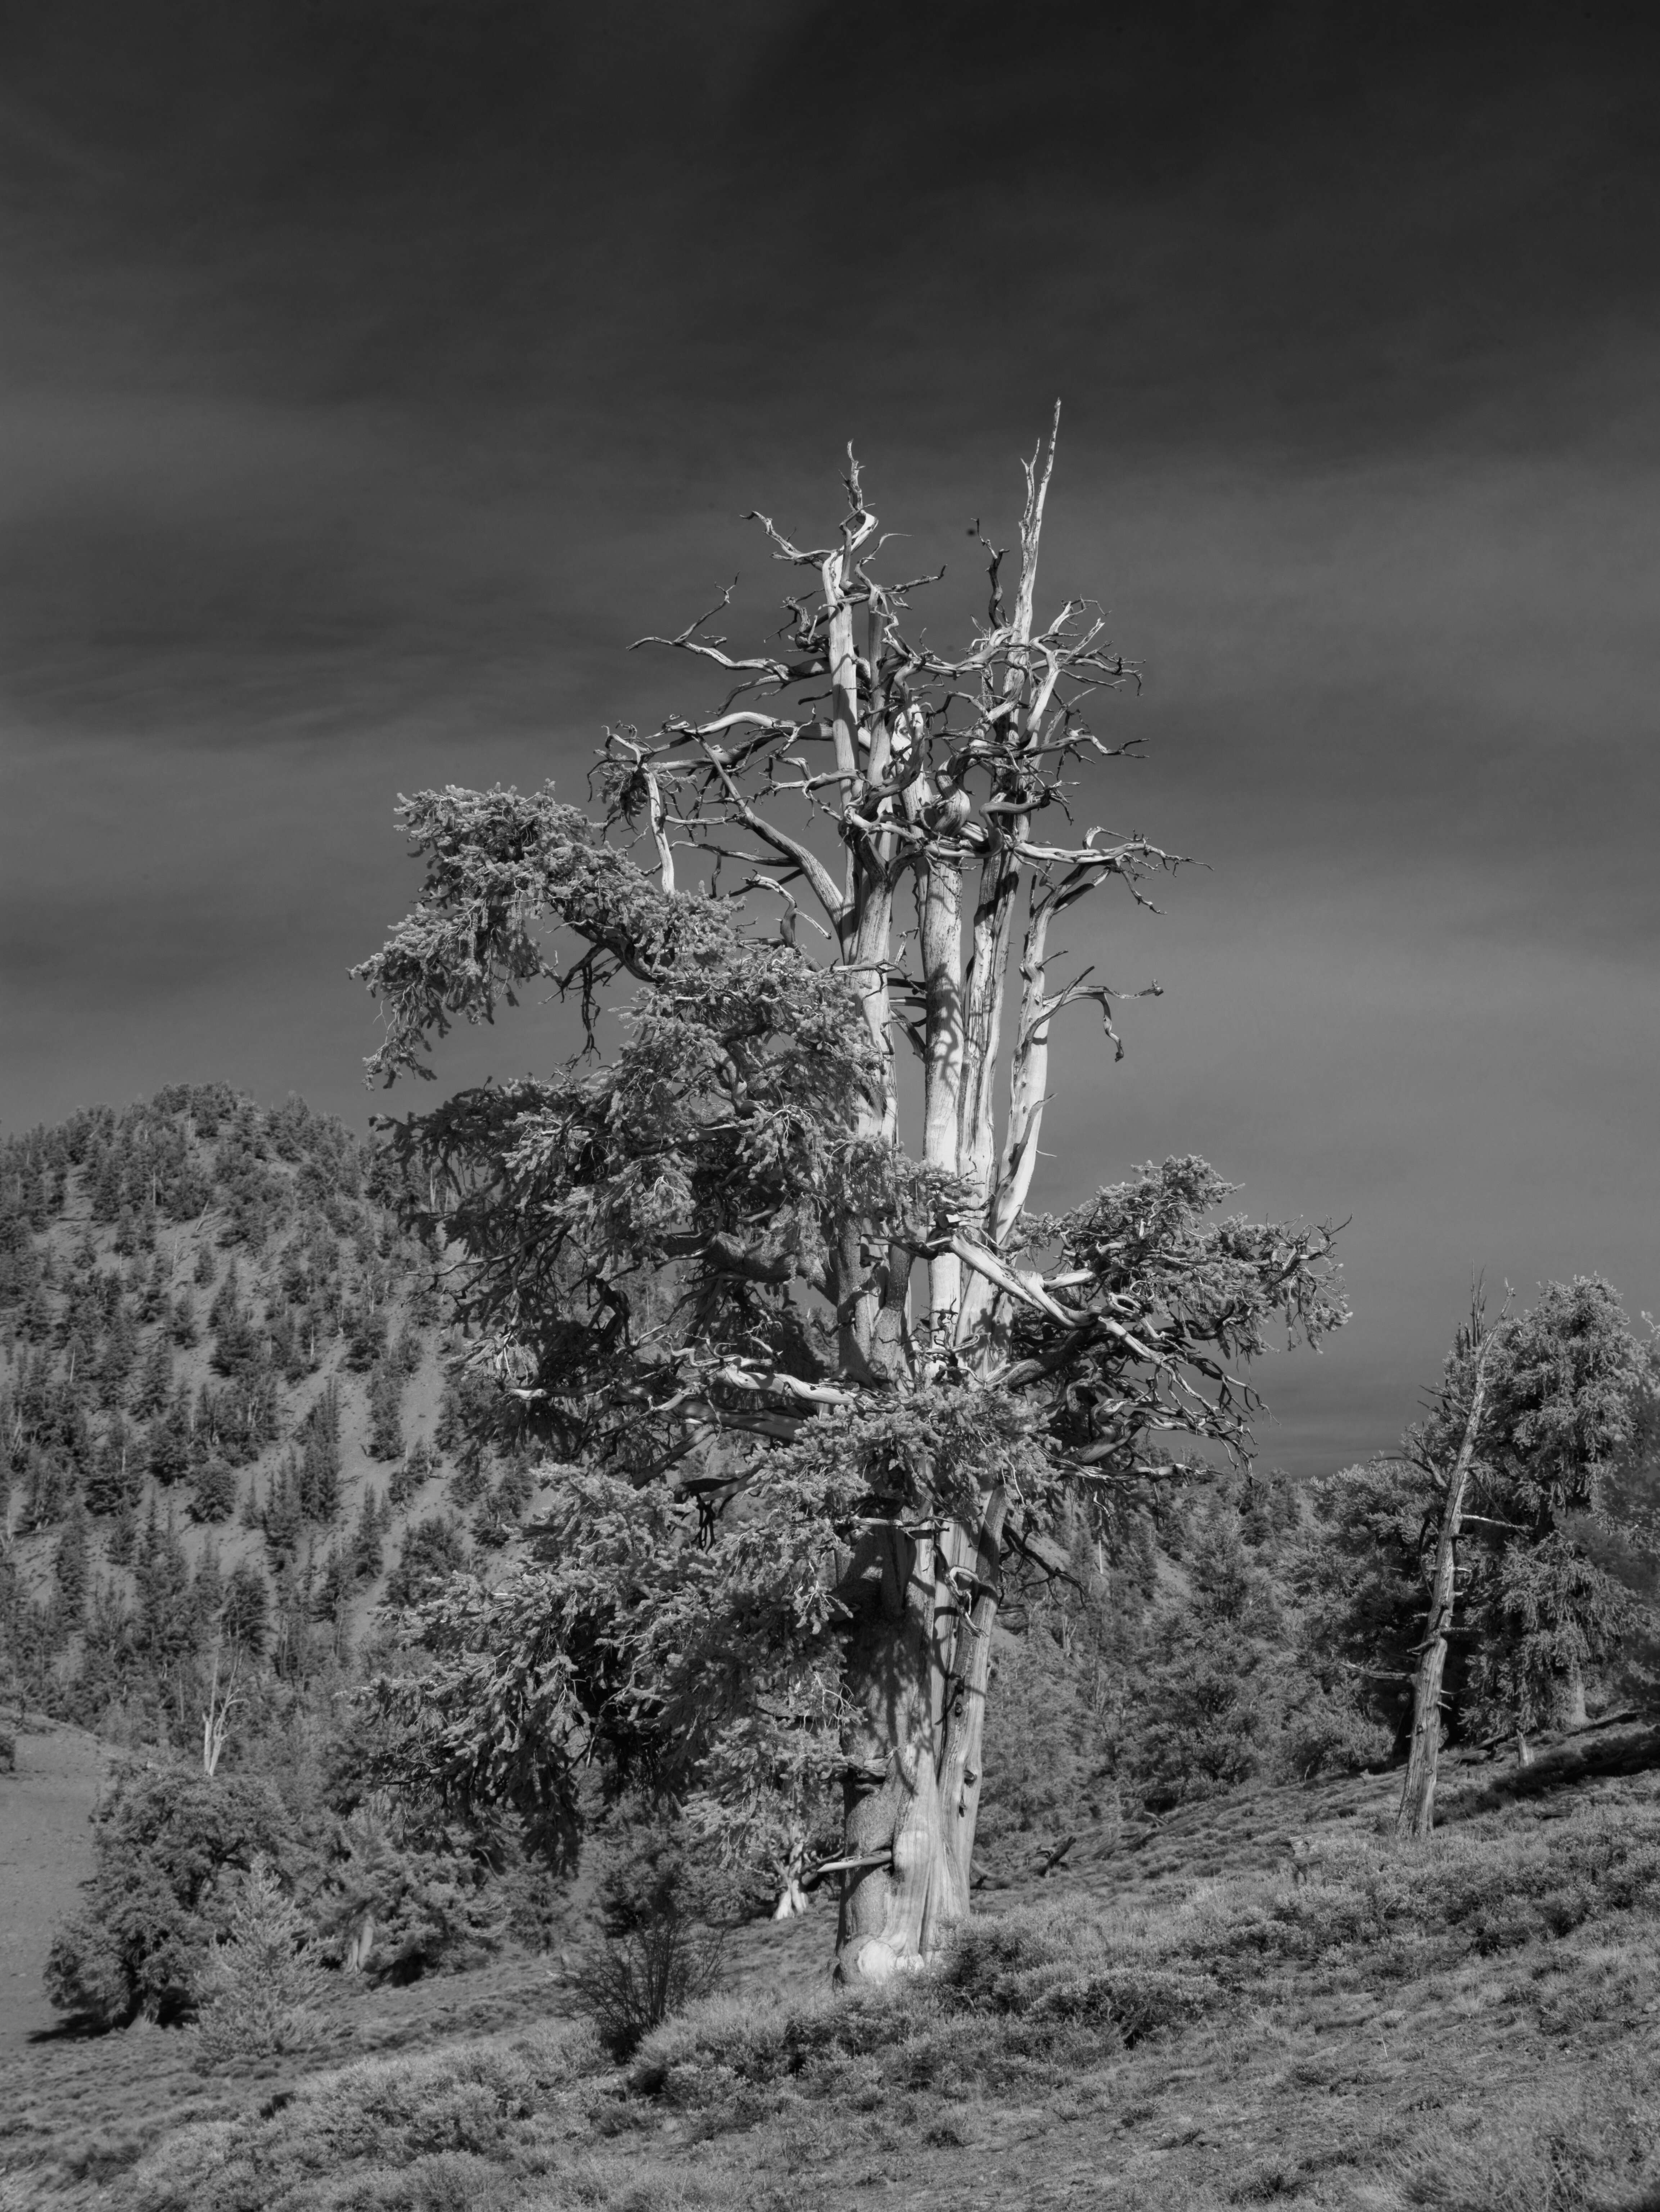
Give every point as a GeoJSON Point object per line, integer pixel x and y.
{"type": "Point", "coordinates": [1476, 2025]}
{"type": "Point", "coordinates": [45, 1852]}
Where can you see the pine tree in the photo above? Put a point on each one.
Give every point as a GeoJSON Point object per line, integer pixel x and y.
{"type": "Point", "coordinates": [121, 1545]}
{"type": "Point", "coordinates": [116, 1475]}
{"type": "Point", "coordinates": [167, 1628]}
{"type": "Point", "coordinates": [469, 1481]}
{"type": "Point", "coordinates": [154, 1385]}
{"type": "Point", "coordinates": [367, 1556]}
{"type": "Point", "coordinates": [334, 1588]}
{"type": "Point", "coordinates": [386, 1410]}
{"type": "Point", "coordinates": [181, 1321]}
{"type": "Point", "coordinates": [287, 1350]}
{"type": "Point", "coordinates": [238, 1349]}
{"type": "Point", "coordinates": [71, 1569]}
{"type": "Point", "coordinates": [407, 1478]}
{"type": "Point", "coordinates": [104, 1184]}
{"type": "Point", "coordinates": [119, 1354]}
{"type": "Point", "coordinates": [1213, 1689]}
{"type": "Point", "coordinates": [78, 1358]}
{"type": "Point", "coordinates": [208, 1589]}
{"type": "Point", "coordinates": [292, 1644]}
{"type": "Point", "coordinates": [244, 1620]}
{"type": "Point", "coordinates": [433, 1551]}
{"type": "Point", "coordinates": [47, 1488]}
{"type": "Point", "coordinates": [227, 1299]}
{"type": "Point", "coordinates": [365, 1331]}
{"type": "Point", "coordinates": [107, 1655]}
{"type": "Point", "coordinates": [158, 1283]}
{"type": "Point", "coordinates": [169, 1439]}
{"type": "Point", "coordinates": [262, 1982]}
{"type": "Point", "coordinates": [213, 1491]}
{"type": "Point", "coordinates": [284, 1517]}
{"type": "Point", "coordinates": [39, 1320]}
{"type": "Point", "coordinates": [318, 1441]}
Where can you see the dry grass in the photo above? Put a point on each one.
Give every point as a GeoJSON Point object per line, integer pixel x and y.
{"type": "Point", "coordinates": [1472, 2025]}
{"type": "Point", "coordinates": [45, 1851]}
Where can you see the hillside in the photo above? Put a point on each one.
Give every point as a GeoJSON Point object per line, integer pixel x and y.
{"type": "Point", "coordinates": [1473, 2025]}
{"type": "Point", "coordinates": [225, 1418]}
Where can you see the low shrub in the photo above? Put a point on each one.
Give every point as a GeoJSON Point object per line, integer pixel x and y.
{"type": "Point", "coordinates": [1056, 1964]}
{"type": "Point", "coordinates": [1007, 1987]}
{"type": "Point", "coordinates": [1020, 2003]}
{"type": "Point", "coordinates": [428, 2123]}
{"type": "Point", "coordinates": [1136, 2001]}
{"type": "Point", "coordinates": [634, 1981]}
{"type": "Point", "coordinates": [1598, 2149]}
{"type": "Point", "coordinates": [1400, 1902]}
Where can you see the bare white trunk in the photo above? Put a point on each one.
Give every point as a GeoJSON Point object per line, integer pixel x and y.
{"type": "Point", "coordinates": [943, 1067]}
{"type": "Point", "coordinates": [1028, 1076]}
{"type": "Point", "coordinates": [1416, 1815]}
{"type": "Point", "coordinates": [920, 1662]}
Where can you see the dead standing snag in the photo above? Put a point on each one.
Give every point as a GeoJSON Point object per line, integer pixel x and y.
{"type": "Point", "coordinates": [811, 1369]}
{"type": "Point", "coordinates": [1462, 1402]}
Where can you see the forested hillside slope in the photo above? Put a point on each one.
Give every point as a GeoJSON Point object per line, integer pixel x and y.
{"type": "Point", "coordinates": [234, 1429]}
{"type": "Point", "coordinates": [226, 1423]}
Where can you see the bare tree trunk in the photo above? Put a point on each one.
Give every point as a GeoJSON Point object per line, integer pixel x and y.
{"type": "Point", "coordinates": [891, 1827]}
{"type": "Point", "coordinates": [1574, 1715]}
{"type": "Point", "coordinates": [924, 1602]}
{"type": "Point", "coordinates": [962, 1759]}
{"type": "Point", "coordinates": [362, 1943]}
{"type": "Point", "coordinates": [1416, 1816]}
{"type": "Point", "coordinates": [941, 963]}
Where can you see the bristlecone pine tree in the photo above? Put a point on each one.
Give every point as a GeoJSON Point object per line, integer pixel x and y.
{"type": "Point", "coordinates": [809, 1379]}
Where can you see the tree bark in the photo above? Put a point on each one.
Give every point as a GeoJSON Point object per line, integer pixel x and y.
{"type": "Point", "coordinates": [943, 1069]}
{"type": "Point", "coordinates": [1416, 1816]}
{"type": "Point", "coordinates": [924, 1604]}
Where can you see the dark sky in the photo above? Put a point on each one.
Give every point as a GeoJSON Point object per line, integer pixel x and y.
{"type": "Point", "coordinates": [372, 371]}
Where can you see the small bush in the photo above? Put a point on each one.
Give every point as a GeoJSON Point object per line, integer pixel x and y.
{"type": "Point", "coordinates": [636, 1981]}
{"type": "Point", "coordinates": [1136, 2001]}
{"type": "Point", "coordinates": [1021, 1986]}
{"type": "Point", "coordinates": [1595, 2150]}
{"type": "Point", "coordinates": [1053, 1966]}
{"type": "Point", "coordinates": [434, 2131]}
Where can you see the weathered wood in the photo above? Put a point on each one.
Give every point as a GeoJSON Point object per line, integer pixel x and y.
{"type": "Point", "coordinates": [1416, 1816]}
